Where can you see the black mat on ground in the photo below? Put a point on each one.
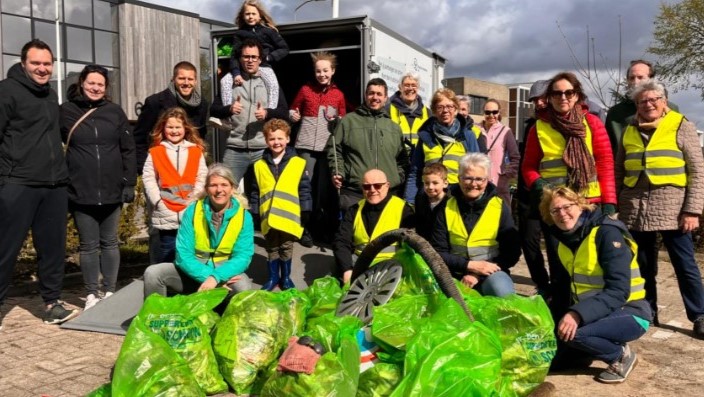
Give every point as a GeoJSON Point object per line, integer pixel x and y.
{"type": "Point", "coordinates": [112, 315]}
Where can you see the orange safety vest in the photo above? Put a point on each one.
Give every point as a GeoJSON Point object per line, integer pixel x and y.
{"type": "Point", "coordinates": [174, 188]}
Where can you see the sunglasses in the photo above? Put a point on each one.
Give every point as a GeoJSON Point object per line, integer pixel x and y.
{"type": "Point", "coordinates": [569, 94]}
{"type": "Point", "coordinates": [308, 341]}
{"type": "Point", "coordinates": [490, 112]}
{"type": "Point", "coordinates": [376, 186]}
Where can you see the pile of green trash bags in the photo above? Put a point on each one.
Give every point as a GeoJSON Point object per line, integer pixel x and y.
{"type": "Point", "coordinates": [425, 343]}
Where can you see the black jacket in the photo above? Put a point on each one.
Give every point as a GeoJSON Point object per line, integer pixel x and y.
{"type": "Point", "coordinates": [30, 141]}
{"type": "Point", "coordinates": [304, 188]}
{"type": "Point", "coordinates": [343, 245]}
{"type": "Point", "coordinates": [426, 216]}
{"type": "Point", "coordinates": [101, 153]}
{"type": "Point", "coordinates": [509, 249]}
{"type": "Point", "coordinates": [153, 106]}
{"type": "Point", "coordinates": [274, 46]}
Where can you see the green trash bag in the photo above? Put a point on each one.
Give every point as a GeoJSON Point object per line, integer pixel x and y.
{"type": "Point", "coordinates": [451, 356]}
{"type": "Point", "coordinates": [253, 332]}
{"type": "Point", "coordinates": [324, 295]}
{"type": "Point", "coordinates": [177, 320]}
{"type": "Point", "coordinates": [396, 322]}
{"type": "Point", "coordinates": [330, 329]}
{"type": "Point", "coordinates": [525, 328]}
{"type": "Point", "coordinates": [417, 278]}
{"type": "Point", "coordinates": [103, 391]}
{"type": "Point", "coordinates": [148, 367]}
{"type": "Point", "coordinates": [336, 374]}
{"type": "Point", "coordinates": [209, 319]}
{"type": "Point", "coordinates": [379, 380]}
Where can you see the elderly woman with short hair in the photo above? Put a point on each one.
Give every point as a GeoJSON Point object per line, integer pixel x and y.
{"type": "Point", "coordinates": [474, 233]}
{"type": "Point", "coordinates": [406, 108]}
{"type": "Point", "coordinates": [660, 178]}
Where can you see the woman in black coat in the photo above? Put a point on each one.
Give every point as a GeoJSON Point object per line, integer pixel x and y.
{"type": "Point", "coordinates": [100, 155]}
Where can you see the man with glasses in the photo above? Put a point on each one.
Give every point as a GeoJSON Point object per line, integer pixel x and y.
{"type": "Point", "coordinates": [365, 139]}
{"type": "Point", "coordinates": [33, 177]}
{"type": "Point", "coordinates": [248, 113]}
{"type": "Point", "coordinates": [377, 213]}
{"type": "Point", "coordinates": [621, 114]}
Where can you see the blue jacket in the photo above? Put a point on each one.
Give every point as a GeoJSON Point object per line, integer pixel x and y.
{"type": "Point", "coordinates": [304, 190]}
{"type": "Point", "coordinates": [427, 136]}
{"type": "Point", "coordinates": [242, 253]}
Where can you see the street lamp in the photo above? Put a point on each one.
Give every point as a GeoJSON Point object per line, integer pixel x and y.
{"type": "Point", "coordinates": [335, 7]}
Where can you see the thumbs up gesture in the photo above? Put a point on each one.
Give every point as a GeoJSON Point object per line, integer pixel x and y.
{"type": "Point", "coordinates": [260, 113]}
{"type": "Point", "coordinates": [294, 115]}
{"type": "Point", "coordinates": [236, 107]}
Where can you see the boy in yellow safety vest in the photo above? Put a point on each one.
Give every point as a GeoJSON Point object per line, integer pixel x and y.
{"type": "Point", "coordinates": [281, 196]}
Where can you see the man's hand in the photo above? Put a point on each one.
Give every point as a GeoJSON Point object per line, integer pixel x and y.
{"type": "Point", "coordinates": [470, 280]}
{"type": "Point", "coordinates": [238, 80]}
{"type": "Point", "coordinates": [260, 113]}
{"type": "Point", "coordinates": [236, 107]}
{"type": "Point", "coordinates": [209, 283]}
{"type": "Point", "coordinates": [346, 277]}
{"type": "Point", "coordinates": [567, 328]}
{"type": "Point", "coordinates": [688, 222]}
{"type": "Point", "coordinates": [482, 268]}
{"type": "Point", "coordinates": [337, 181]}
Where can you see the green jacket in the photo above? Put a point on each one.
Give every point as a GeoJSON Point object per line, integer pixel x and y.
{"type": "Point", "coordinates": [364, 140]}
{"type": "Point", "coordinates": [619, 117]}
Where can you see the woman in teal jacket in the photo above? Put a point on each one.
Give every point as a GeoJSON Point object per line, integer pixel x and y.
{"type": "Point", "coordinates": [215, 243]}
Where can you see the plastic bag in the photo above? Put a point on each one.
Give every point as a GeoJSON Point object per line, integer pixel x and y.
{"type": "Point", "coordinates": [451, 356]}
{"type": "Point", "coordinates": [336, 374]}
{"type": "Point", "coordinates": [417, 277]}
{"type": "Point", "coordinates": [103, 391]}
{"type": "Point", "coordinates": [525, 328]}
{"type": "Point", "coordinates": [380, 380]}
{"type": "Point", "coordinates": [253, 332]}
{"type": "Point", "coordinates": [324, 295]}
{"type": "Point", "coordinates": [396, 322]}
{"type": "Point", "coordinates": [330, 329]}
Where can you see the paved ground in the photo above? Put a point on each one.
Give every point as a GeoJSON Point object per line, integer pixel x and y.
{"type": "Point", "coordinates": [44, 360]}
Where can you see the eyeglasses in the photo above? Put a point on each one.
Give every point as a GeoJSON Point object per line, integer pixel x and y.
{"type": "Point", "coordinates": [308, 341]}
{"type": "Point", "coordinates": [490, 112]}
{"type": "Point", "coordinates": [376, 186]}
{"type": "Point", "coordinates": [250, 57]}
{"type": "Point", "coordinates": [569, 94]}
{"type": "Point", "coordinates": [472, 179]}
{"type": "Point", "coordinates": [442, 108]}
{"type": "Point", "coordinates": [564, 208]}
{"type": "Point", "coordinates": [410, 86]}
{"type": "Point", "coordinates": [651, 101]}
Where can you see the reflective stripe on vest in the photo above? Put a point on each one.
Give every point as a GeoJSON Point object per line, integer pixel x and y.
{"type": "Point", "coordinates": [552, 167]}
{"type": "Point", "coordinates": [588, 275]}
{"type": "Point", "coordinates": [390, 219]}
{"type": "Point", "coordinates": [279, 204]}
{"type": "Point", "coordinates": [481, 244]}
{"type": "Point", "coordinates": [449, 155]}
{"type": "Point", "coordinates": [661, 159]}
{"type": "Point", "coordinates": [174, 188]}
{"type": "Point", "coordinates": [201, 228]}
{"type": "Point", "coordinates": [409, 132]}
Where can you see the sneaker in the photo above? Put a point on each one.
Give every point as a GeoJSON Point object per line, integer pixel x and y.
{"type": "Point", "coordinates": [57, 314]}
{"type": "Point", "coordinates": [306, 240]}
{"type": "Point", "coordinates": [91, 300]}
{"type": "Point", "coordinates": [699, 327]}
{"type": "Point", "coordinates": [107, 295]}
{"type": "Point", "coordinates": [618, 371]}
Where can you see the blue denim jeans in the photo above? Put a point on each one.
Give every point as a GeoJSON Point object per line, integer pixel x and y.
{"type": "Point", "coordinates": [239, 160]}
{"type": "Point", "coordinates": [680, 247]}
{"type": "Point", "coordinates": [167, 245]}
{"type": "Point", "coordinates": [604, 338]}
{"type": "Point", "coordinates": [497, 284]}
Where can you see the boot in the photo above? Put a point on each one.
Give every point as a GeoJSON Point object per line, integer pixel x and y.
{"type": "Point", "coordinates": [273, 275]}
{"type": "Point", "coordinates": [285, 281]}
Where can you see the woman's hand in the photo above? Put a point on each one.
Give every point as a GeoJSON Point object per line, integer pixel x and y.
{"type": "Point", "coordinates": [231, 281]}
{"type": "Point", "coordinates": [688, 222]}
{"type": "Point", "coordinates": [567, 328]}
{"type": "Point", "coordinates": [482, 268]}
{"type": "Point", "coordinates": [209, 283]}
{"type": "Point", "coordinates": [470, 280]}
{"type": "Point", "coordinates": [294, 115]}
{"type": "Point", "coordinates": [239, 80]}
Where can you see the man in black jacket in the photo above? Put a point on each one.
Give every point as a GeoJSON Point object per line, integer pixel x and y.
{"type": "Point", "coordinates": [33, 176]}
{"type": "Point", "coordinates": [182, 92]}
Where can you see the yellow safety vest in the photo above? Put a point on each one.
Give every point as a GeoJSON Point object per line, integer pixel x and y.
{"type": "Point", "coordinates": [201, 228]}
{"type": "Point", "coordinates": [279, 204]}
{"type": "Point", "coordinates": [390, 219]}
{"type": "Point", "coordinates": [552, 167]}
{"type": "Point", "coordinates": [481, 244]}
{"type": "Point", "coordinates": [477, 131]}
{"type": "Point", "coordinates": [409, 132]}
{"type": "Point", "coordinates": [661, 159]}
{"type": "Point", "coordinates": [449, 156]}
{"type": "Point", "coordinates": [587, 274]}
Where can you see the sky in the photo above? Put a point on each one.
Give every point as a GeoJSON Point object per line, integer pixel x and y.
{"type": "Point", "coordinates": [502, 41]}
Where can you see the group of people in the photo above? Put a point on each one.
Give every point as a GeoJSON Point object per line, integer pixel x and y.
{"type": "Point", "coordinates": [599, 194]}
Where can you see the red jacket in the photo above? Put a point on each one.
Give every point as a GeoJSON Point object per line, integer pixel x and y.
{"type": "Point", "coordinates": [603, 156]}
{"type": "Point", "coordinates": [312, 95]}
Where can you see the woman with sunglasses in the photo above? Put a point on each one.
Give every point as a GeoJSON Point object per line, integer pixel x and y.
{"type": "Point", "coordinates": [474, 233]}
{"type": "Point", "coordinates": [660, 179]}
{"type": "Point", "coordinates": [443, 138]}
{"type": "Point", "coordinates": [100, 154]}
{"type": "Point", "coordinates": [599, 281]}
{"type": "Point", "coordinates": [502, 149]}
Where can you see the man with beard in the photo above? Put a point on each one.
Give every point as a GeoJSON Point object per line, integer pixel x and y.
{"type": "Point", "coordinates": [182, 92]}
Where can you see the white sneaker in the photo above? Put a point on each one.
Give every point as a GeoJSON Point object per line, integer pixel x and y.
{"type": "Point", "coordinates": [91, 300]}
{"type": "Point", "coordinates": [107, 295]}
